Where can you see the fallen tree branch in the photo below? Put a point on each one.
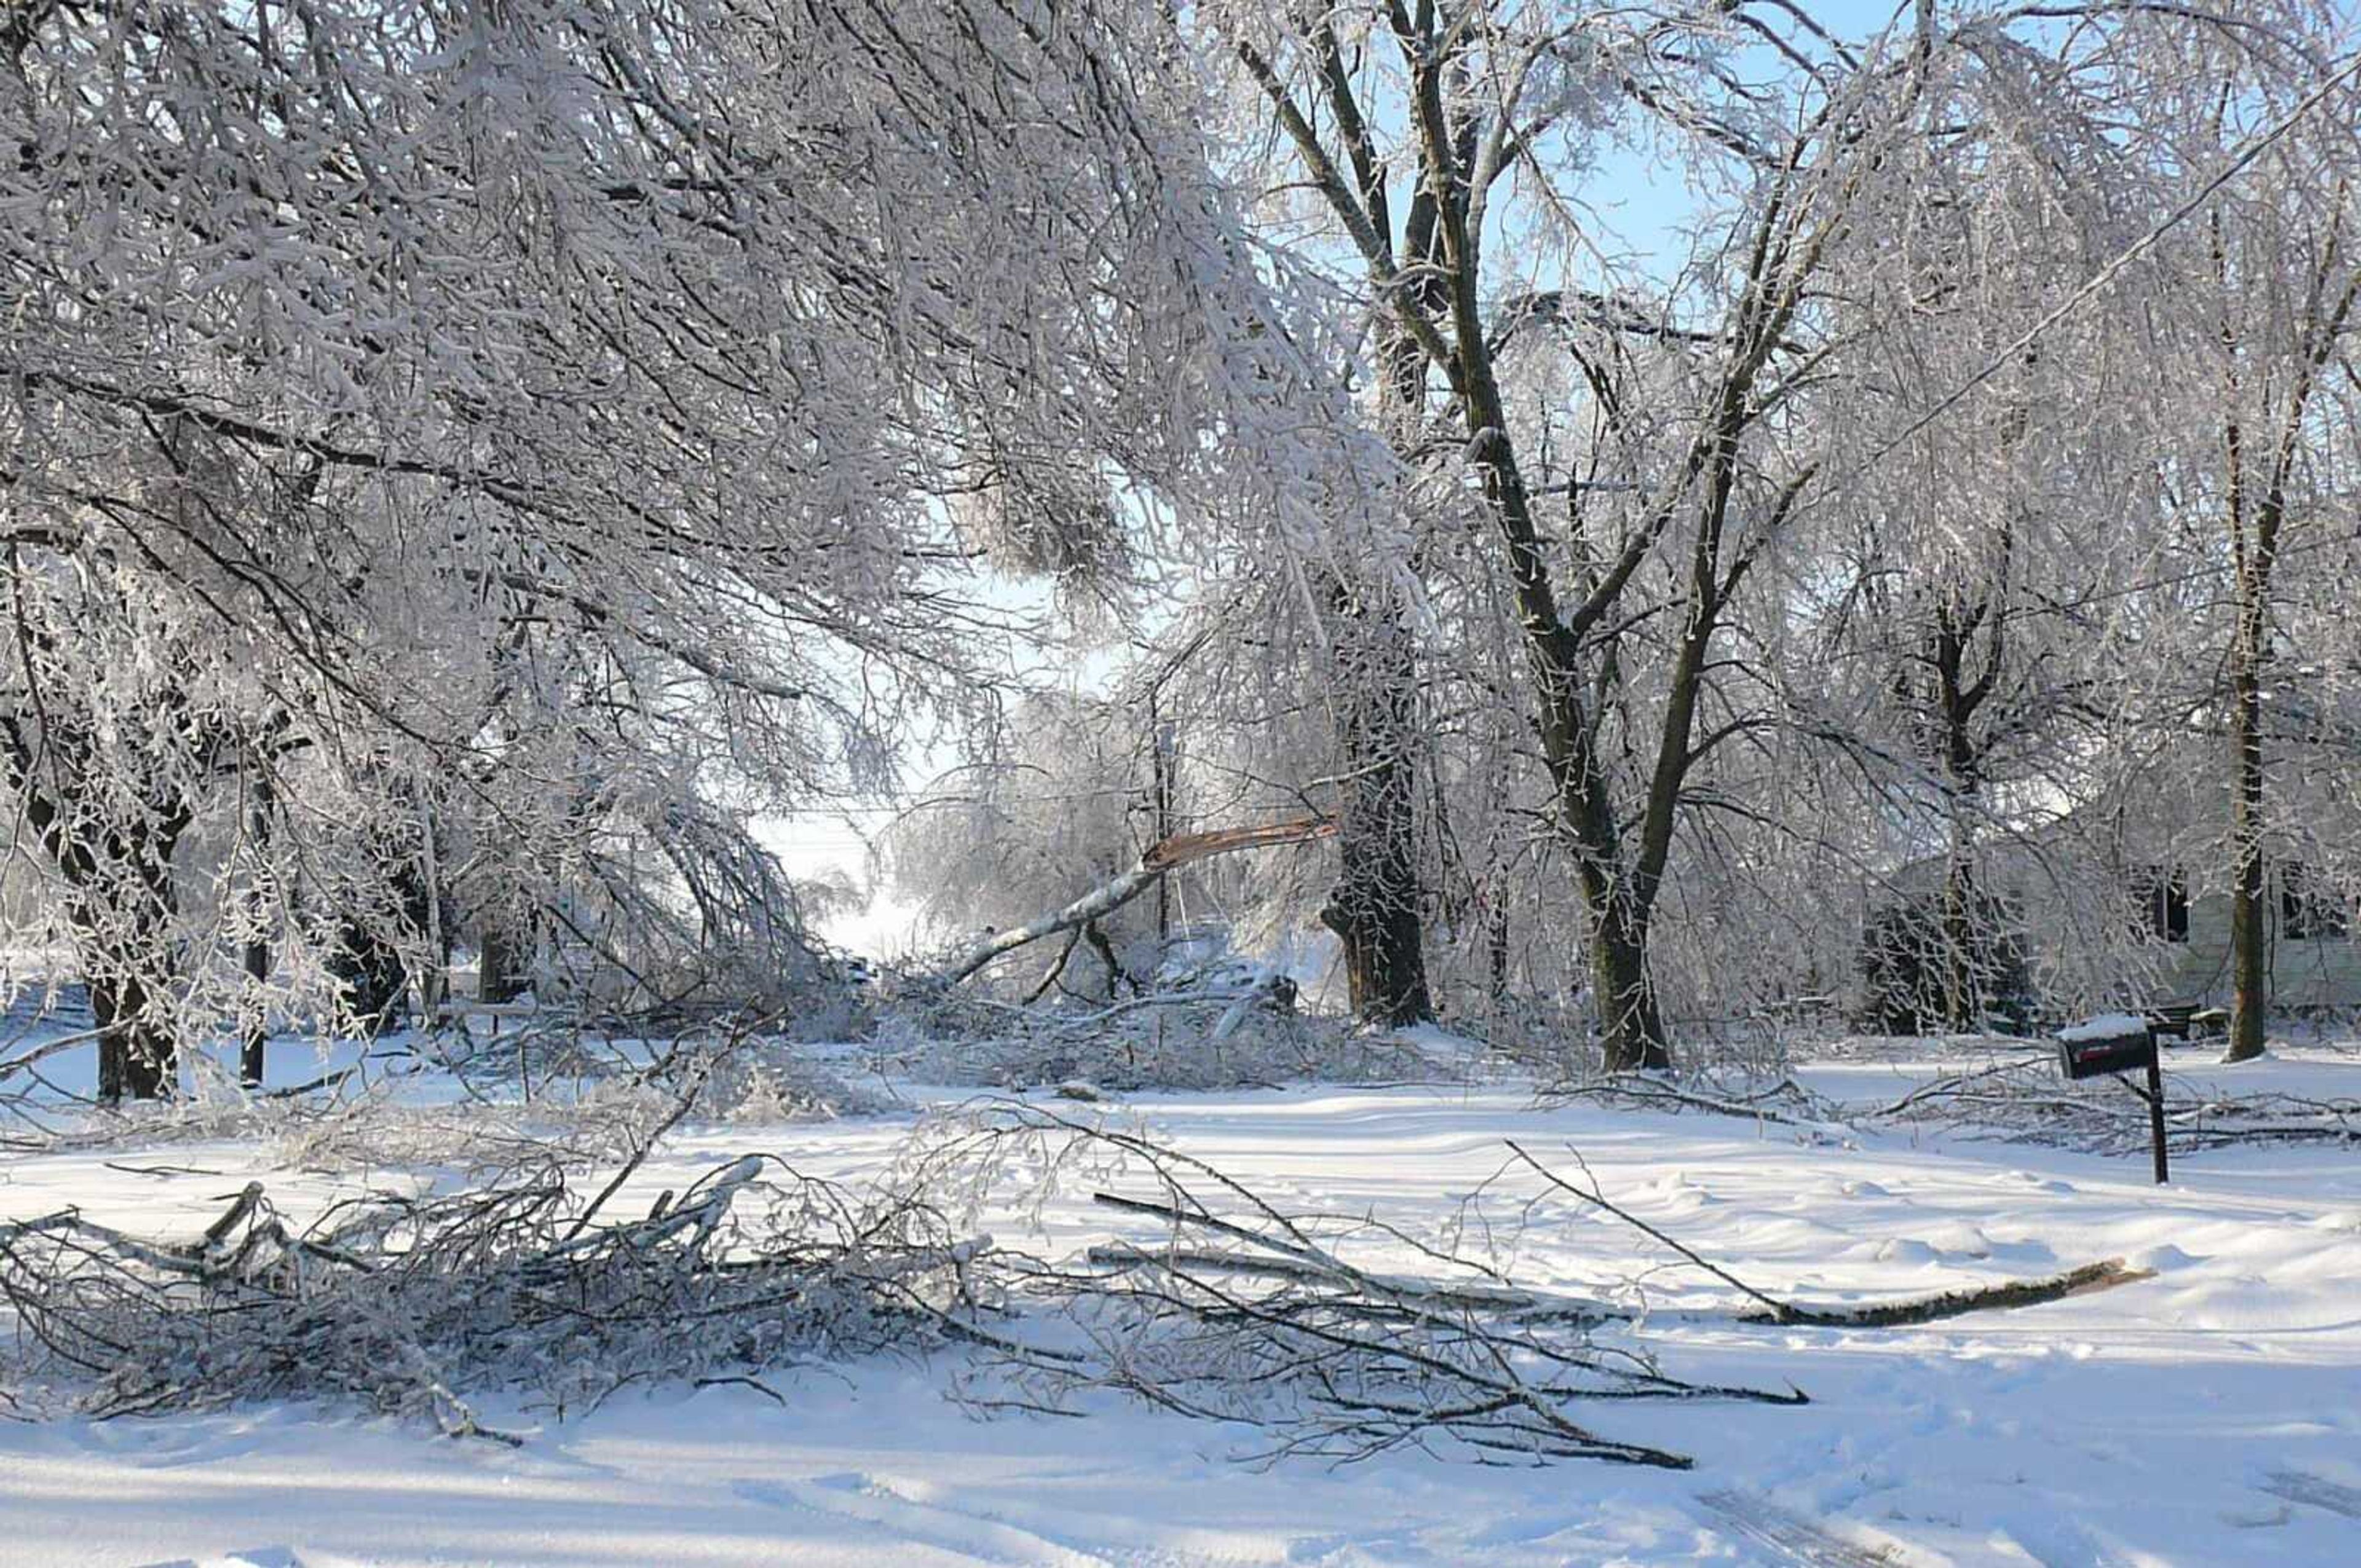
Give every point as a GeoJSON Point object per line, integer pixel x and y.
{"type": "Point", "coordinates": [1168, 854]}
{"type": "Point", "coordinates": [1250, 1315]}
{"type": "Point", "coordinates": [1599, 1201]}
{"type": "Point", "coordinates": [408, 1304]}
{"type": "Point", "coordinates": [1523, 1305]}
{"type": "Point", "coordinates": [1099, 901]}
{"type": "Point", "coordinates": [2078, 1281]}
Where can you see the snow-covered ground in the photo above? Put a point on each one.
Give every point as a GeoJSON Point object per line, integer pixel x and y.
{"type": "Point", "coordinates": [2210, 1414]}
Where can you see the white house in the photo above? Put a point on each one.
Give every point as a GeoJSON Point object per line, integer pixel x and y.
{"type": "Point", "coordinates": [2312, 957]}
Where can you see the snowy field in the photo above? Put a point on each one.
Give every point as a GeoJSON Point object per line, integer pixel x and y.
{"type": "Point", "coordinates": [2210, 1414]}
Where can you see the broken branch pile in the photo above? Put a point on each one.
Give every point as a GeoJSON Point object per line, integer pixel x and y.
{"type": "Point", "coordinates": [2025, 1102]}
{"type": "Point", "coordinates": [1232, 1308]}
{"type": "Point", "coordinates": [402, 1303]}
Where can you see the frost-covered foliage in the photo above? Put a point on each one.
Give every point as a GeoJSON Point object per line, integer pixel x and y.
{"type": "Point", "coordinates": [1063, 805]}
{"type": "Point", "coordinates": [462, 465]}
{"type": "Point", "coordinates": [1888, 526]}
{"type": "Point", "coordinates": [536, 424]}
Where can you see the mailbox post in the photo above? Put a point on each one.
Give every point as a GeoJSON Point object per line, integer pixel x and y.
{"type": "Point", "coordinates": [2119, 1044]}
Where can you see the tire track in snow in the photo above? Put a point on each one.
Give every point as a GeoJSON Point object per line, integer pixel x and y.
{"type": "Point", "coordinates": [2317, 1491]}
{"type": "Point", "coordinates": [1785, 1537]}
{"type": "Point", "coordinates": [870, 1499]}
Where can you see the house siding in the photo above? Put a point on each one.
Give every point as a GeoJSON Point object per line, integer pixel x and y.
{"type": "Point", "coordinates": [2322, 971]}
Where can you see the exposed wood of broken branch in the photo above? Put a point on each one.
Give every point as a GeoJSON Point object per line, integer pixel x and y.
{"type": "Point", "coordinates": [1182, 848]}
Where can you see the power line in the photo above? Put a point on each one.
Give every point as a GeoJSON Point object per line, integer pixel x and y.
{"type": "Point", "coordinates": [2256, 147]}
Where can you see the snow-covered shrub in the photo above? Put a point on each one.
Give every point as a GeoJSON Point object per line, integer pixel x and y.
{"type": "Point", "coordinates": [1906, 954]}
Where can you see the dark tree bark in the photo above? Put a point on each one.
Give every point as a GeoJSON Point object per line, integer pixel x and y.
{"type": "Point", "coordinates": [254, 1049]}
{"type": "Point", "coordinates": [501, 966]}
{"type": "Point", "coordinates": [120, 907]}
{"type": "Point", "coordinates": [1377, 908]}
{"type": "Point", "coordinates": [137, 1054]}
{"type": "Point", "coordinates": [374, 976]}
{"type": "Point", "coordinates": [370, 960]}
{"type": "Point", "coordinates": [1948, 704]}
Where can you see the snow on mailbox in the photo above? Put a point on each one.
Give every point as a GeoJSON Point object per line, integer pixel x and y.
{"type": "Point", "coordinates": [2119, 1043]}
{"type": "Point", "coordinates": [2116, 1042]}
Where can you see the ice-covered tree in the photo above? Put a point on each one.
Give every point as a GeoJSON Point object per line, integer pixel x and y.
{"type": "Point", "coordinates": [580, 387]}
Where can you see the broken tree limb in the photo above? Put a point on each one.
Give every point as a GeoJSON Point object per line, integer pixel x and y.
{"type": "Point", "coordinates": [1184, 847]}
{"type": "Point", "coordinates": [1599, 1201]}
{"type": "Point", "coordinates": [2082, 1280]}
{"type": "Point", "coordinates": [2104, 1274]}
{"type": "Point", "coordinates": [1056, 970]}
{"type": "Point", "coordinates": [1102, 900]}
{"type": "Point", "coordinates": [1170, 854]}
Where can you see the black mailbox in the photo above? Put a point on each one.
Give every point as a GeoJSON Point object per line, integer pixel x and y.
{"type": "Point", "coordinates": [2107, 1045]}
{"type": "Point", "coordinates": [2120, 1043]}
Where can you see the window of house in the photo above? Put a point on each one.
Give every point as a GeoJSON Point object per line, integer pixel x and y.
{"type": "Point", "coordinates": [2310, 908]}
{"type": "Point", "coordinates": [2161, 903]}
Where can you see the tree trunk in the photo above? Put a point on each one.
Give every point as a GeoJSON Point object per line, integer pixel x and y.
{"type": "Point", "coordinates": [1963, 759]}
{"type": "Point", "coordinates": [374, 976]}
{"type": "Point", "coordinates": [1375, 909]}
{"type": "Point", "coordinates": [2257, 514]}
{"type": "Point", "coordinates": [1160, 746]}
{"type": "Point", "coordinates": [253, 1050]}
{"type": "Point", "coordinates": [1496, 950]}
{"type": "Point", "coordinates": [1963, 997]}
{"type": "Point", "coordinates": [500, 974]}
{"type": "Point", "coordinates": [2249, 915]}
{"type": "Point", "coordinates": [135, 1055]}
{"type": "Point", "coordinates": [103, 1013]}
{"type": "Point", "coordinates": [1630, 1026]}
{"type": "Point", "coordinates": [138, 1049]}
